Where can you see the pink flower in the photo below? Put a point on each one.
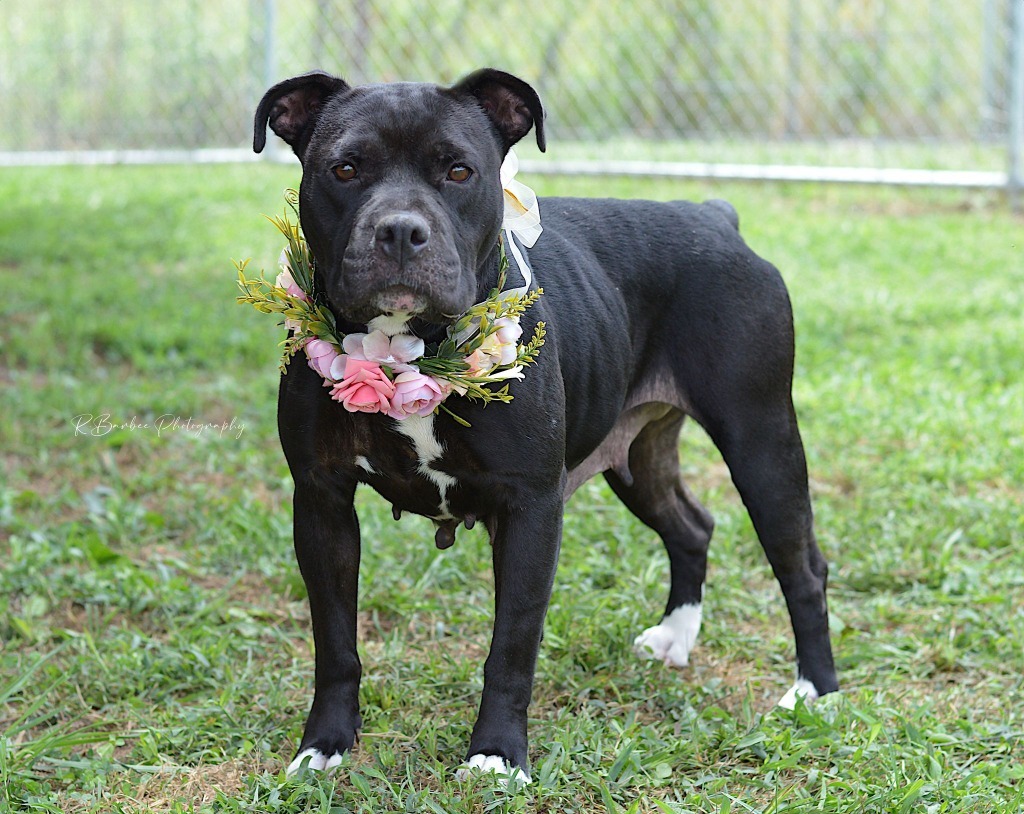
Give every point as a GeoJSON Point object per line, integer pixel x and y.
{"type": "Point", "coordinates": [365, 388]}
{"type": "Point", "coordinates": [416, 394]}
{"type": "Point", "coordinates": [379, 347]}
{"type": "Point", "coordinates": [337, 371]}
{"type": "Point", "coordinates": [499, 348]}
{"type": "Point", "coordinates": [479, 362]}
{"type": "Point", "coordinates": [509, 331]}
{"type": "Point", "coordinates": [500, 353]}
{"type": "Point", "coordinates": [286, 281]}
{"type": "Point", "coordinates": [321, 355]}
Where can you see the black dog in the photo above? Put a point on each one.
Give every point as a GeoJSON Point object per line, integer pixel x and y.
{"type": "Point", "coordinates": [654, 311]}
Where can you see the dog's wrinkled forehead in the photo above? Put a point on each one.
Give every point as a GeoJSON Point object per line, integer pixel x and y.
{"type": "Point", "coordinates": [404, 121]}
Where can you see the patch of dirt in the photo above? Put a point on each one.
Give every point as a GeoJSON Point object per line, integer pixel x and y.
{"type": "Point", "coordinates": [161, 791]}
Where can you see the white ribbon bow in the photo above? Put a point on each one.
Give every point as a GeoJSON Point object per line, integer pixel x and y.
{"type": "Point", "coordinates": [522, 212]}
{"type": "Point", "coordinates": [522, 217]}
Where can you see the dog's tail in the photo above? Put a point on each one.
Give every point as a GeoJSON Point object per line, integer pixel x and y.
{"type": "Point", "coordinates": [727, 209]}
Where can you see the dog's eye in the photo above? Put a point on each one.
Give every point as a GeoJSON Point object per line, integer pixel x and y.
{"type": "Point", "coordinates": [459, 174]}
{"type": "Point", "coordinates": [345, 172]}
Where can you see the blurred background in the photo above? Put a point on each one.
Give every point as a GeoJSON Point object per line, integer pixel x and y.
{"type": "Point", "coordinates": [786, 88]}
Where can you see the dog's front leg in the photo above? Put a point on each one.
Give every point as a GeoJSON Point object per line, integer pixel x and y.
{"type": "Point", "coordinates": [327, 548]}
{"type": "Point", "coordinates": [526, 540]}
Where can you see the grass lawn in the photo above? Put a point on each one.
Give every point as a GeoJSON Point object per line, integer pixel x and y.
{"type": "Point", "coordinates": [155, 651]}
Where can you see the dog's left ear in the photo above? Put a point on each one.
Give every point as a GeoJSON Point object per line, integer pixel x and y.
{"type": "Point", "coordinates": [512, 105]}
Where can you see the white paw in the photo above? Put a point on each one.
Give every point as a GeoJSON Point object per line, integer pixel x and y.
{"type": "Point", "coordinates": [671, 641]}
{"type": "Point", "coordinates": [802, 689]}
{"type": "Point", "coordinates": [318, 761]}
{"type": "Point", "coordinates": [505, 774]}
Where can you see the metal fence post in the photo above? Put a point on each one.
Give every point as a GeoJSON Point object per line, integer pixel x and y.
{"type": "Point", "coordinates": [1015, 147]}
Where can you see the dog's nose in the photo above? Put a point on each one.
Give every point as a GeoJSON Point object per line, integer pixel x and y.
{"type": "Point", "coordinates": [402, 235]}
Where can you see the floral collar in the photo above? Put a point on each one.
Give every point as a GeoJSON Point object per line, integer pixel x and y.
{"type": "Point", "coordinates": [386, 371]}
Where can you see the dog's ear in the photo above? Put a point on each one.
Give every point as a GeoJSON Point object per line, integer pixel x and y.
{"type": "Point", "coordinates": [511, 104]}
{"type": "Point", "coordinates": [292, 107]}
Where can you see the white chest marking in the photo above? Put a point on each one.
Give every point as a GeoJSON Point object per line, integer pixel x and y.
{"type": "Point", "coordinates": [428, 449]}
{"type": "Point", "coordinates": [390, 324]}
{"type": "Point", "coordinates": [364, 463]}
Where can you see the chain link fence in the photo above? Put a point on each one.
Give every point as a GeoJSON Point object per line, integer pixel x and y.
{"type": "Point", "coordinates": [870, 86]}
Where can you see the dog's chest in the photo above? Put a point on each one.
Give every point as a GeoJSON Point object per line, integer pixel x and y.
{"type": "Point", "coordinates": [407, 467]}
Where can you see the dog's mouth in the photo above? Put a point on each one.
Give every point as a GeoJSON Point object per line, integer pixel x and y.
{"type": "Point", "coordinates": [400, 300]}
{"type": "Point", "coordinates": [395, 306]}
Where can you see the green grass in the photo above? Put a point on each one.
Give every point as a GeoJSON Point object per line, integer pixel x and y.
{"type": "Point", "coordinates": [156, 653]}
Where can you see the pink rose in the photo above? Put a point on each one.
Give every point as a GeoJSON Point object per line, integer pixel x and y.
{"type": "Point", "coordinates": [321, 355]}
{"type": "Point", "coordinates": [416, 394]}
{"type": "Point", "coordinates": [365, 388]}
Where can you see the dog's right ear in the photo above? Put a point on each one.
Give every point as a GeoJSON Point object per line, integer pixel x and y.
{"type": "Point", "coordinates": [292, 107]}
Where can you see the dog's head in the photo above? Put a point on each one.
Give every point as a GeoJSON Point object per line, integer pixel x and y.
{"type": "Point", "coordinates": [401, 201]}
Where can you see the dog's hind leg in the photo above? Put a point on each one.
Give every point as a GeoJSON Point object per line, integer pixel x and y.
{"type": "Point", "coordinates": [760, 441]}
{"type": "Point", "coordinates": [660, 499]}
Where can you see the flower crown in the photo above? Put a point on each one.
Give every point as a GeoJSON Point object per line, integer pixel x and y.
{"type": "Point", "coordinates": [399, 375]}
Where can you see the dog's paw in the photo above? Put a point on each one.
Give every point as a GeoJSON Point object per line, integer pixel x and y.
{"type": "Point", "coordinates": [506, 774]}
{"type": "Point", "coordinates": [802, 689]}
{"type": "Point", "coordinates": [312, 760]}
{"type": "Point", "coordinates": [671, 641]}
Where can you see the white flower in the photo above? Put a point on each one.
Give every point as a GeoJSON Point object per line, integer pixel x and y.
{"type": "Point", "coordinates": [512, 373]}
